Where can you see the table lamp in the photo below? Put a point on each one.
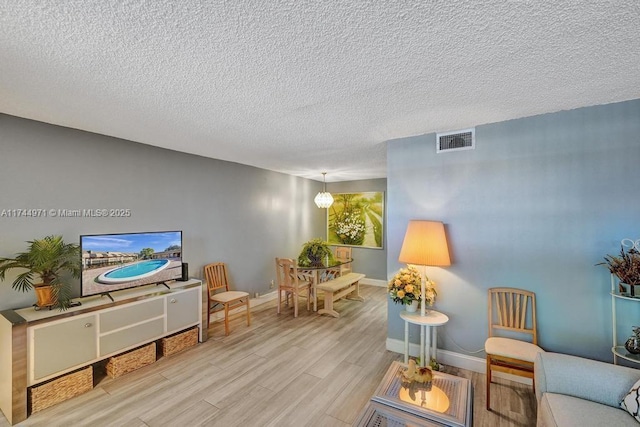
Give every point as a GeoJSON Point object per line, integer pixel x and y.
{"type": "Point", "coordinates": [425, 244]}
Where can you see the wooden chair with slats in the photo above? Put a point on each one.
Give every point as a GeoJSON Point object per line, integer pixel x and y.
{"type": "Point", "coordinates": [220, 297]}
{"type": "Point", "coordinates": [343, 253]}
{"type": "Point", "coordinates": [293, 283]}
{"type": "Point", "coordinates": [511, 312]}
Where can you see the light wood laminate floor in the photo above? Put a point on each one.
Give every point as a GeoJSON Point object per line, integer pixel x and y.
{"type": "Point", "coordinates": [309, 371]}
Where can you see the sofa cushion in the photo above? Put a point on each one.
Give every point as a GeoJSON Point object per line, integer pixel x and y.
{"type": "Point", "coordinates": [631, 401]}
{"type": "Point", "coordinates": [560, 410]}
{"type": "Point", "coordinates": [583, 378]}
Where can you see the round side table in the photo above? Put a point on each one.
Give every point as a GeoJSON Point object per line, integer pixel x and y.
{"type": "Point", "coordinates": [428, 322]}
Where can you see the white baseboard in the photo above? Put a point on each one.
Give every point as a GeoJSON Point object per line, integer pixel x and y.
{"type": "Point", "coordinates": [463, 361]}
{"type": "Point", "coordinates": [263, 298]}
{"type": "Point", "coordinates": [374, 282]}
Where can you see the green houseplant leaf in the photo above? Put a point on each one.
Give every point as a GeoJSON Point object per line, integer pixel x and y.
{"type": "Point", "coordinates": [45, 260]}
{"type": "Point", "coordinates": [314, 254]}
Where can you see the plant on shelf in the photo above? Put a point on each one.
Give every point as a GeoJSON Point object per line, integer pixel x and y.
{"type": "Point", "coordinates": [45, 261]}
{"type": "Point", "coordinates": [315, 253]}
{"type": "Point", "coordinates": [625, 267]}
{"type": "Point", "coordinates": [406, 286]}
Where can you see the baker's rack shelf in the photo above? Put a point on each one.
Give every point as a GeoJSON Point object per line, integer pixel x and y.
{"type": "Point", "coordinates": [617, 349]}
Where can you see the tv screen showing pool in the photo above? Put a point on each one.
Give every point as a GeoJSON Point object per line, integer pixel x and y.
{"type": "Point", "coordinates": [111, 262]}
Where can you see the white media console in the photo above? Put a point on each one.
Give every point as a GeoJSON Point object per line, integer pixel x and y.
{"type": "Point", "coordinates": [36, 346]}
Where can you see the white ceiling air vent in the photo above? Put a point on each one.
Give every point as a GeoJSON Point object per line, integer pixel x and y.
{"type": "Point", "coordinates": [457, 140]}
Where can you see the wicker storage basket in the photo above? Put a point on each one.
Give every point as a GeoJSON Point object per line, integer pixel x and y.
{"type": "Point", "coordinates": [131, 360]}
{"type": "Point", "coordinates": [177, 342]}
{"type": "Point", "coordinates": [60, 389]}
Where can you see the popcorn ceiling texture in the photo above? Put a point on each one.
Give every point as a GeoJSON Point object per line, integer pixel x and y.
{"type": "Point", "coordinates": [301, 86]}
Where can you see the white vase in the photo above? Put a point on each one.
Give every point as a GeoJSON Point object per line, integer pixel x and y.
{"type": "Point", "coordinates": [411, 308]}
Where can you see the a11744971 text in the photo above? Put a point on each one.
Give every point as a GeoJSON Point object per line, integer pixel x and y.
{"type": "Point", "coordinates": [65, 213]}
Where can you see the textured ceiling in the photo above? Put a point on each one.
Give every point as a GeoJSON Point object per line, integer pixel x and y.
{"type": "Point", "coordinates": [301, 86]}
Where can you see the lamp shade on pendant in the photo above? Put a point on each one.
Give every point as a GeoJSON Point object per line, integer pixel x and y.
{"type": "Point", "coordinates": [425, 243]}
{"type": "Point", "coordinates": [323, 199]}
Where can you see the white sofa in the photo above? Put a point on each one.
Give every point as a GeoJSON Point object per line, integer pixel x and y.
{"type": "Point", "coordinates": [573, 391]}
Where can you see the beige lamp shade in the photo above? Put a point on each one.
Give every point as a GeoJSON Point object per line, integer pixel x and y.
{"type": "Point", "coordinates": [425, 243]}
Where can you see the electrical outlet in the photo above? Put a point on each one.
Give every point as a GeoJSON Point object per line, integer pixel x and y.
{"type": "Point", "coordinates": [272, 285]}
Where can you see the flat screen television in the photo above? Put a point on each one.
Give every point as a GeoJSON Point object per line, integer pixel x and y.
{"type": "Point", "coordinates": [112, 262]}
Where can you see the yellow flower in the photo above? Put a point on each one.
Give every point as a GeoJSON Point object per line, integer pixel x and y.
{"type": "Point", "coordinates": [406, 282]}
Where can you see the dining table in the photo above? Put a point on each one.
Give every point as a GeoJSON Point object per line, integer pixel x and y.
{"type": "Point", "coordinates": [327, 271]}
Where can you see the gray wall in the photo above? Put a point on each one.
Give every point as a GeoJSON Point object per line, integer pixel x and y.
{"type": "Point", "coordinates": [536, 205]}
{"type": "Point", "coordinates": [228, 212]}
{"type": "Point", "coordinates": [372, 262]}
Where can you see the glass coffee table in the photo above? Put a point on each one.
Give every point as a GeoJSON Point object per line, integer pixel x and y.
{"type": "Point", "coordinates": [444, 401]}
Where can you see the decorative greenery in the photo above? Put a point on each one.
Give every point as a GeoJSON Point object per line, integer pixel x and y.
{"type": "Point", "coordinates": [626, 266]}
{"type": "Point", "coordinates": [46, 259]}
{"type": "Point", "coordinates": [314, 253]}
{"type": "Point", "coordinates": [406, 286]}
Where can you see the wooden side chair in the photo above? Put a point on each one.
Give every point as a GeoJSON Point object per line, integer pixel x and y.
{"type": "Point", "coordinates": [513, 312]}
{"type": "Point", "coordinates": [220, 297]}
{"type": "Point", "coordinates": [292, 283]}
{"type": "Point", "coordinates": [343, 253]}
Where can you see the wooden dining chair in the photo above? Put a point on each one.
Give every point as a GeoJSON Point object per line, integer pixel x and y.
{"type": "Point", "coordinates": [511, 312]}
{"type": "Point", "coordinates": [343, 253]}
{"type": "Point", "coordinates": [220, 297]}
{"type": "Point", "coordinates": [292, 282]}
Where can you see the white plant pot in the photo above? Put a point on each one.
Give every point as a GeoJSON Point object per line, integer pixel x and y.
{"type": "Point", "coordinates": [411, 308]}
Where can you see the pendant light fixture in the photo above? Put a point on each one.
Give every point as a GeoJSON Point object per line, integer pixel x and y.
{"type": "Point", "coordinates": [324, 199]}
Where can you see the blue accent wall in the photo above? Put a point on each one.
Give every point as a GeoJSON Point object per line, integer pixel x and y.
{"type": "Point", "coordinates": [535, 205]}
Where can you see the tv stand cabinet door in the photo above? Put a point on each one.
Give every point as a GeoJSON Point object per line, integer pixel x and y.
{"type": "Point", "coordinates": [57, 347]}
{"type": "Point", "coordinates": [129, 325]}
{"type": "Point", "coordinates": [183, 309]}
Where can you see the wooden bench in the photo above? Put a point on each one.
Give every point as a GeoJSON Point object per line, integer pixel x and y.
{"type": "Point", "coordinates": [334, 289]}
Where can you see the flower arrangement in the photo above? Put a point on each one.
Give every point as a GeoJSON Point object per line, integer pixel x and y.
{"type": "Point", "coordinates": [626, 266]}
{"type": "Point", "coordinates": [406, 286]}
{"type": "Point", "coordinates": [430, 293]}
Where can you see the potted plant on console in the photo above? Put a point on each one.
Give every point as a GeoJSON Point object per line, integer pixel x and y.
{"type": "Point", "coordinates": [45, 260]}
